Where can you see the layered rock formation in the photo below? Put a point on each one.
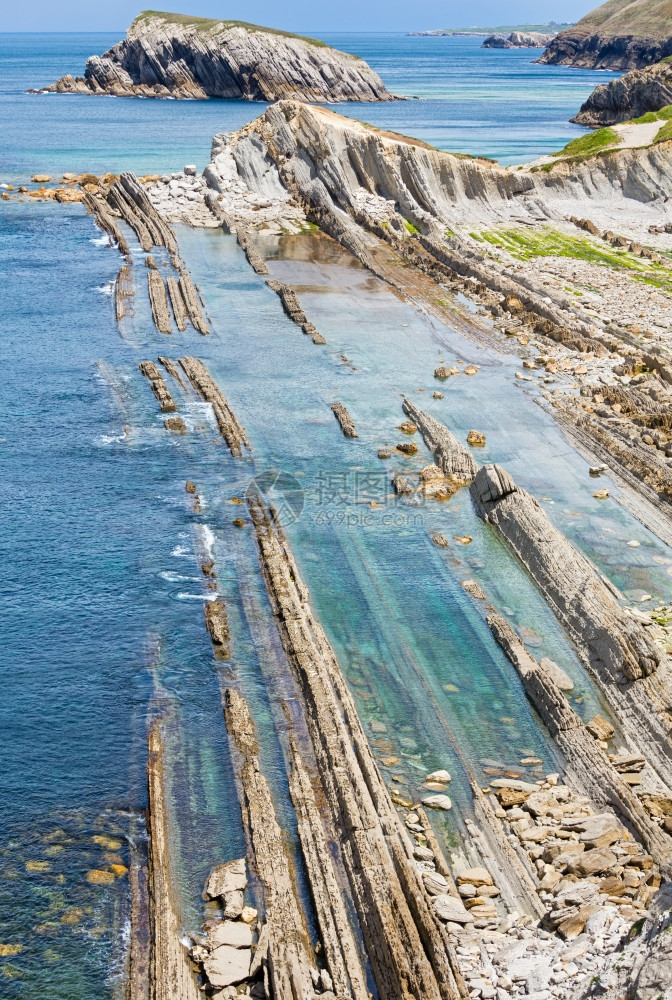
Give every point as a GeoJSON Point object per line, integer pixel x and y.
{"type": "Point", "coordinates": [630, 96]}
{"type": "Point", "coordinates": [619, 35]}
{"type": "Point", "coordinates": [518, 40]}
{"type": "Point", "coordinates": [173, 55]}
{"type": "Point", "coordinates": [631, 670]}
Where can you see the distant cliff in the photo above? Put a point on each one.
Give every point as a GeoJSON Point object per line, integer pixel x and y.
{"type": "Point", "coordinates": [619, 35]}
{"type": "Point", "coordinates": [174, 55]}
{"type": "Point", "coordinates": [518, 40]}
{"type": "Point", "coordinates": [632, 95]}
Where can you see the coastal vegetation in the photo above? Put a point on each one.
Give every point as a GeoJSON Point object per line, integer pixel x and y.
{"type": "Point", "coordinates": [594, 142]}
{"type": "Point", "coordinates": [209, 24]}
{"type": "Point", "coordinates": [526, 244]}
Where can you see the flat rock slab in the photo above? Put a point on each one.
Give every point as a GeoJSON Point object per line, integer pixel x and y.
{"type": "Point", "coordinates": [230, 877]}
{"type": "Point", "coordinates": [226, 966]}
{"type": "Point", "coordinates": [233, 933]}
{"type": "Point", "coordinates": [475, 876]}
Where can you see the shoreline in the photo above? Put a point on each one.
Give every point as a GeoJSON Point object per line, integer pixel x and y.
{"type": "Point", "coordinates": [429, 917]}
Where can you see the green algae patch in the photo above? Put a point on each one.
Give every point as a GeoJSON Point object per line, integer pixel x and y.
{"type": "Point", "coordinates": [589, 145]}
{"type": "Point", "coordinates": [410, 227]}
{"type": "Point", "coordinates": [211, 23]}
{"type": "Point", "coordinates": [525, 244]}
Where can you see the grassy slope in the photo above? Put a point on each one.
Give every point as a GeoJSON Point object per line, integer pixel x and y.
{"type": "Point", "coordinates": [593, 142]}
{"type": "Point", "coordinates": [641, 18]}
{"type": "Point", "coordinates": [210, 24]}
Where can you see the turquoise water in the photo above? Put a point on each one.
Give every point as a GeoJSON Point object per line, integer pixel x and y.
{"type": "Point", "coordinates": [100, 591]}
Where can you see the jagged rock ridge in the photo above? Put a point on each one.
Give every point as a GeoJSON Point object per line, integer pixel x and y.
{"type": "Point", "coordinates": [172, 55]}
{"type": "Point", "coordinates": [619, 35]}
{"type": "Point", "coordinates": [630, 96]}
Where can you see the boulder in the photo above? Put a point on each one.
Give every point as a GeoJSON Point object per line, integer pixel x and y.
{"type": "Point", "coordinates": [234, 933]}
{"type": "Point", "coordinates": [557, 674]}
{"type": "Point", "coordinates": [573, 925]}
{"type": "Point", "coordinates": [229, 877]}
{"type": "Point", "coordinates": [475, 876]}
{"type": "Point", "coordinates": [451, 909]}
{"type": "Point", "coordinates": [599, 728]}
{"type": "Point", "coordinates": [476, 439]}
{"type": "Point", "coordinates": [226, 966]}
{"type": "Point", "coordinates": [233, 904]}
{"type": "Point", "coordinates": [593, 862]}
{"type": "Point", "coordinates": [438, 802]}
{"type": "Point", "coordinates": [435, 883]}
{"type": "Point", "coordinates": [442, 777]}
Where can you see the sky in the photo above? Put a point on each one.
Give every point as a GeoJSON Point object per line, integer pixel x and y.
{"type": "Point", "coordinates": [298, 15]}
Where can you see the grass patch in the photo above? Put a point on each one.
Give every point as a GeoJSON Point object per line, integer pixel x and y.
{"type": "Point", "coordinates": [211, 23]}
{"type": "Point", "coordinates": [665, 133]}
{"type": "Point", "coordinates": [524, 244]}
{"type": "Point", "coordinates": [663, 115]}
{"type": "Point", "coordinates": [410, 227]}
{"type": "Point", "coordinates": [593, 142]}
{"type": "Point", "coordinates": [650, 116]}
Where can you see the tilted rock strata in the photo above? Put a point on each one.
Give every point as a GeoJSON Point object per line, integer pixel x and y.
{"type": "Point", "coordinates": [230, 428]}
{"type": "Point", "coordinates": [338, 939]}
{"type": "Point", "coordinates": [628, 97]}
{"type": "Point", "coordinates": [587, 763]}
{"type": "Point", "coordinates": [348, 179]}
{"type": "Point", "coordinates": [345, 420]}
{"type": "Point", "coordinates": [284, 943]}
{"type": "Point", "coordinates": [632, 672]}
{"type": "Point", "coordinates": [159, 301]}
{"type": "Point", "coordinates": [170, 974]}
{"type": "Point", "coordinates": [451, 456]}
{"type": "Point", "coordinates": [159, 387]}
{"type": "Point", "coordinates": [618, 35]}
{"type": "Point", "coordinates": [169, 56]}
{"type": "Point", "coordinates": [123, 293]}
{"type": "Point", "coordinates": [406, 944]}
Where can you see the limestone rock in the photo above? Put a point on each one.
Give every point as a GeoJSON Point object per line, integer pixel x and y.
{"type": "Point", "coordinates": [234, 933]}
{"type": "Point", "coordinates": [473, 588]}
{"type": "Point", "coordinates": [475, 876]}
{"type": "Point", "coordinates": [226, 966]}
{"type": "Point", "coordinates": [558, 675]}
{"type": "Point", "coordinates": [628, 97]}
{"type": "Point", "coordinates": [229, 877]}
{"type": "Point", "coordinates": [441, 776]}
{"type": "Point", "coordinates": [169, 56]}
{"type": "Point", "coordinates": [451, 909]}
{"type": "Point", "coordinates": [593, 862]}
{"type": "Point", "coordinates": [599, 728]}
{"type": "Point", "coordinates": [438, 802]}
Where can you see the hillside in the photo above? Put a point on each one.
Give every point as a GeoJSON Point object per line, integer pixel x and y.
{"type": "Point", "coordinates": [179, 56]}
{"type": "Point", "coordinates": [619, 35]}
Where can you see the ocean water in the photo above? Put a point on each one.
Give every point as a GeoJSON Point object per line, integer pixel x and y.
{"type": "Point", "coordinates": [101, 592]}
{"type": "Point", "coordinates": [488, 102]}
